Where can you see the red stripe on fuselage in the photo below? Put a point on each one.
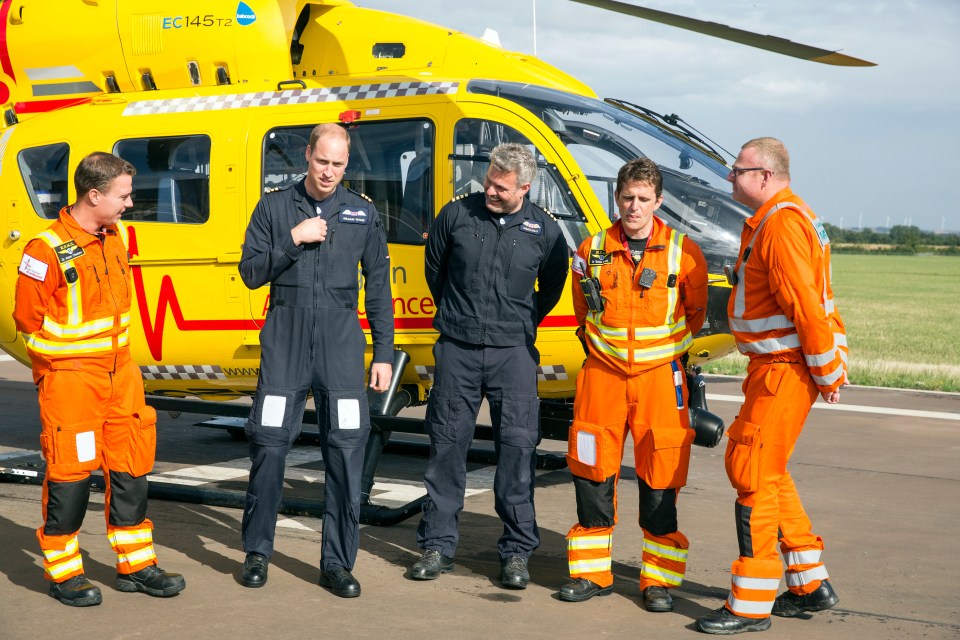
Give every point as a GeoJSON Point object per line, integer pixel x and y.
{"type": "Point", "coordinates": [4, 53]}
{"type": "Point", "coordinates": [43, 106]}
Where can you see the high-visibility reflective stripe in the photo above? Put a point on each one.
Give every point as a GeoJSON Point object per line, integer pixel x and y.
{"type": "Point", "coordinates": [56, 572]}
{"type": "Point", "coordinates": [653, 353]}
{"type": "Point", "coordinates": [123, 233]}
{"type": "Point", "coordinates": [130, 536]}
{"type": "Point", "coordinates": [761, 324]}
{"type": "Point", "coordinates": [830, 378]}
{"type": "Point", "coordinates": [82, 330]}
{"type": "Point", "coordinates": [798, 578]}
{"type": "Point", "coordinates": [744, 607]}
{"type": "Point", "coordinates": [611, 333]}
{"type": "Point", "coordinates": [770, 345]}
{"type": "Point", "coordinates": [760, 584]}
{"type": "Point", "coordinates": [52, 555]}
{"type": "Point", "coordinates": [663, 331]}
{"type": "Point", "coordinates": [664, 575]}
{"type": "Point", "coordinates": [589, 542]}
{"type": "Point", "coordinates": [593, 565]}
{"type": "Point", "coordinates": [810, 556]}
{"type": "Point", "coordinates": [139, 556]}
{"type": "Point", "coordinates": [821, 359]}
{"type": "Point", "coordinates": [80, 346]}
{"type": "Point", "coordinates": [673, 266]}
{"type": "Point", "coordinates": [74, 289]}
{"type": "Point", "coordinates": [606, 348]}
{"type": "Point", "coordinates": [840, 339]}
{"type": "Point", "coordinates": [599, 242]}
{"type": "Point", "coordinates": [828, 306]}
{"type": "Point", "coordinates": [662, 551]}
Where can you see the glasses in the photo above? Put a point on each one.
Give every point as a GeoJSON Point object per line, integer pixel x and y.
{"type": "Point", "coordinates": [736, 171]}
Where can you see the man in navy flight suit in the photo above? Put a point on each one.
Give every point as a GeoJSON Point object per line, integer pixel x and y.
{"type": "Point", "coordinates": [306, 241]}
{"type": "Point", "coordinates": [483, 256]}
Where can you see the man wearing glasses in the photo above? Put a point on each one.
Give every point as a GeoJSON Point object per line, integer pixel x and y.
{"type": "Point", "coordinates": [783, 317]}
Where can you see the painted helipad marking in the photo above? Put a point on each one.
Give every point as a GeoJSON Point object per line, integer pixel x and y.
{"type": "Point", "coordinates": [855, 408]}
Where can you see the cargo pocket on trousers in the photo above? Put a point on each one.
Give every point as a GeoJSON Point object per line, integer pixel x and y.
{"type": "Point", "coordinates": [349, 416]}
{"type": "Point", "coordinates": [72, 450]}
{"type": "Point", "coordinates": [742, 458]}
{"type": "Point", "coordinates": [585, 451]}
{"type": "Point", "coordinates": [444, 411]}
{"type": "Point", "coordinates": [520, 420]}
{"type": "Point", "coordinates": [272, 419]}
{"type": "Point", "coordinates": [669, 458]}
{"type": "Point", "coordinates": [143, 442]}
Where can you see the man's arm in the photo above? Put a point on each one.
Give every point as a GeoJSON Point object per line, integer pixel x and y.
{"type": "Point", "coordinates": [435, 253]}
{"type": "Point", "coordinates": [552, 275]}
{"type": "Point", "coordinates": [378, 300]}
{"type": "Point", "coordinates": [693, 286]}
{"type": "Point", "coordinates": [261, 261]}
{"type": "Point", "coordinates": [33, 293]}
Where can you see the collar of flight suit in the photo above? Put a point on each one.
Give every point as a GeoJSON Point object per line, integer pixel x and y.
{"type": "Point", "coordinates": [77, 233]}
{"type": "Point", "coordinates": [304, 206]}
{"type": "Point", "coordinates": [525, 212]}
{"type": "Point", "coordinates": [781, 196]}
{"type": "Point", "coordinates": [617, 237]}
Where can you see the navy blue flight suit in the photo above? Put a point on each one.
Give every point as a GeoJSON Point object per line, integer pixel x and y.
{"type": "Point", "coordinates": [482, 277]}
{"type": "Point", "coordinates": [312, 340]}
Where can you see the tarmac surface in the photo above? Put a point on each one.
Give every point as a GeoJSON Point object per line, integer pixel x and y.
{"type": "Point", "coordinates": [879, 477]}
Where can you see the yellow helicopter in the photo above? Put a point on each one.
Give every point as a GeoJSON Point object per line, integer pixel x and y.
{"type": "Point", "coordinates": [213, 103]}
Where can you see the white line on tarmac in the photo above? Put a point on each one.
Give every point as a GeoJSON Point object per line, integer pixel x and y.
{"type": "Point", "coordinates": [855, 408]}
{"type": "Point", "coordinates": [5, 358]}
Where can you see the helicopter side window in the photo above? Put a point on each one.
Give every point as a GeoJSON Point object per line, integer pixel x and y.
{"type": "Point", "coordinates": [44, 172]}
{"type": "Point", "coordinates": [173, 178]}
{"type": "Point", "coordinates": [473, 141]}
{"type": "Point", "coordinates": [391, 162]}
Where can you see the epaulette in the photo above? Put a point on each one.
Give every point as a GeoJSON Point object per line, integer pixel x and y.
{"type": "Point", "coordinates": [365, 197]}
{"type": "Point", "coordinates": [277, 188]}
{"type": "Point", "coordinates": [360, 195]}
{"type": "Point", "coordinates": [461, 196]}
{"type": "Point", "coordinates": [547, 211]}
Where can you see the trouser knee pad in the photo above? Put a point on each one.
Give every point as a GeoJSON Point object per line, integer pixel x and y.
{"type": "Point", "coordinates": [658, 509]}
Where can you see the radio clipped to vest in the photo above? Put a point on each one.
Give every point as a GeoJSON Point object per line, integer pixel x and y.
{"type": "Point", "coordinates": [591, 292]}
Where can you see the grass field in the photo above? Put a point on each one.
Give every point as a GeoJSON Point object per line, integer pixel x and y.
{"type": "Point", "coordinates": [903, 321]}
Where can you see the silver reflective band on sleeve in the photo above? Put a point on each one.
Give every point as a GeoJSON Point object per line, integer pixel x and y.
{"type": "Point", "coordinates": [760, 324]}
{"type": "Point", "coordinates": [822, 359]}
{"type": "Point", "coordinates": [829, 379]}
{"type": "Point", "coordinates": [796, 579]}
{"type": "Point", "coordinates": [840, 339]}
{"type": "Point", "coordinates": [828, 306]}
{"type": "Point", "coordinates": [770, 345]}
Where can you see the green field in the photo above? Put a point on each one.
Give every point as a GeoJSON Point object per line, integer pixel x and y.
{"type": "Point", "coordinates": [903, 321]}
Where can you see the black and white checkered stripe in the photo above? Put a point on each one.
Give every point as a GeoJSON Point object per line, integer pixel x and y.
{"type": "Point", "coordinates": [550, 372]}
{"type": "Point", "coordinates": [425, 373]}
{"type": "Point", "coordinates": [182, 372]}
{"type": "Point", "coordinates": [289, 96]}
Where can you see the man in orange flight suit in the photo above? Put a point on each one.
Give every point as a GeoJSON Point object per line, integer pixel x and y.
{"type": "Point", "coordinates": [73, 309]}
{"type": "Point", "coordinates": [783, 317]}
{"type": "Point", "coordinates": [653, 284]}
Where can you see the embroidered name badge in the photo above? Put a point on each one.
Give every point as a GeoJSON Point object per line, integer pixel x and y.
{"type": "Point", "coordinates": [599, 256]}
{"type": "Point", "coordinates": [532, 227]}
{"type": "Point", "coordinates": [33, 268]}
{"type": "Point", "coordinates": [349, 216]}
{"type": "Point", "coordinates": [68, 251]}
{"type": "Point", "coordinates": [821, 233]}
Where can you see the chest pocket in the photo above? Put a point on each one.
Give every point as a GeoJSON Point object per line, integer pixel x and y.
{"type": "Point", "coordinates": [523, 263]}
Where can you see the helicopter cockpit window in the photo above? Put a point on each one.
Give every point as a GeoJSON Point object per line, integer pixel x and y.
{"type": "Point", "coordinates": [173, 178]}
{"type": "Point", "coordinates": [390, 162]}
{"type": "Point", "coordinates": [473, 141]}
{"type": "Point", "coordinates": [44, 171]}
{"type": "Point", "coordinates": [601, 137]}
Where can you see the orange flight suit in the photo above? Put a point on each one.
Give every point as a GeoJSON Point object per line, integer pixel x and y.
{"type": "Point", "coordinates": [73, 309]}
{"type": "Point", "coordinates": [633, 382]}
{"type": "Point", "coordinates": [783, 317]}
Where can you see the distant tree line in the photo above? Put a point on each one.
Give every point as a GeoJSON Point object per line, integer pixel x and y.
{"type": "Point", "coordinates": [900, 239]}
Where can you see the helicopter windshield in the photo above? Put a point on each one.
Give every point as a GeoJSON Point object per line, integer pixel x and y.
{"type": "Point", "coordinates": [601, 137]}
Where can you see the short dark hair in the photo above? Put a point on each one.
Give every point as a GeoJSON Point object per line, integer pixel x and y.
{"type": "Point", "coordinates": [640, 170]}
{"type": "Point", "coordinates": [98, 170]}
{"type": "Point", "coordinates": [328, 129]}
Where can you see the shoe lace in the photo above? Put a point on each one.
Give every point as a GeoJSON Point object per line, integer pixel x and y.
{"type": "Point", "coordinates": [516, 563]}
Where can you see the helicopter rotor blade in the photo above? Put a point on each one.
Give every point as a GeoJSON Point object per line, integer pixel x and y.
{"type": "Point", "coordinates": [767, 42]}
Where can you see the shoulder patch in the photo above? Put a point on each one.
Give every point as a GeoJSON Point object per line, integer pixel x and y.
{"type": "Point", "coordinates": [532, 227]}
{"type": "Point", "coordinates": [33, 268]}
{"type": "Point", "coordinates": [599, 256]}
{"type": "Point", "coordinates": [68, 251]}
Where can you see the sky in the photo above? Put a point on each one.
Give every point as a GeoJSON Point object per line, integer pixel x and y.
{"type": "Point", "coordinates": [870, 147]}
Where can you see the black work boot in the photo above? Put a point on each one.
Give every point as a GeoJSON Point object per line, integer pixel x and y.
{"type": "Point", "coordinates": [580, 589]}
{"type": "Point", "coordinates": [724, 622]}
{"type": "Point", "coordinates": [341, 582]}
{"type": "Point", "coordinates": [76, 592]}
{"type": "Point", "coordinates": [430, 565]}
{"type": "Point", "coordinates": [513, 572]}
{"type": "Point", "coordinates": [789, 604]}
{"type": "Point", "coordinates": [254, 572]}
{"type": "Point", "coordinates": [657, 599]}
{"type": "Point", "coordinates": [153, 581]}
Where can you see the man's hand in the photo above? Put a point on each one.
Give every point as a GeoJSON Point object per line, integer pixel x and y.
{"type": "Point", "coordinates": [380, 375]}
{"type": "Point", "coordinates": [310, 230]}
{"type": "Point", "coordinates": [833, 397]}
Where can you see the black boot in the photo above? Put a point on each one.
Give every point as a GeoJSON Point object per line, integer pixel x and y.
{"type": "Point", "coordinates": [153, 581]}
{"type": "Point", "coordinates": [254, 572]}
{"type": "Point", "coordinates": [724, 622]}
{"type": "Point", "coordinates": [513, 572]}
{"type": "Point", "coordinates": [341, 582]}
{"type": "Point", "coordinates": [76, 592]}
{"type": "Point", "coordinates": [657, 599]}
{"type": "Point", "coordinates": [580, 589]}
{"type": "Point", "coordinates": [430, 565]}
{"type": "Point", "coordinates": [789, 604]}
